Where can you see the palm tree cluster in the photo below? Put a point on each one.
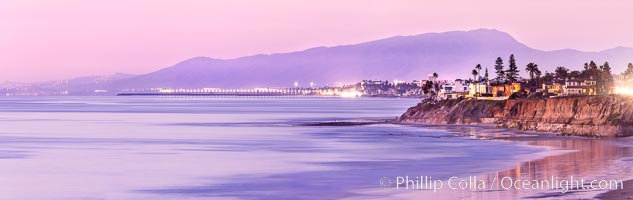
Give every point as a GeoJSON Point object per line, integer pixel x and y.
{"type": "Point", "coordinates": [477, 77]}
{"type": "Point", "coordinates": [431, 87]}
{"type": "Point", "coordinates": [628, 74]}
{"type": "Point", "coordinates": [535, 73]}
{"type": "Point", "coordinates": [601, 74]}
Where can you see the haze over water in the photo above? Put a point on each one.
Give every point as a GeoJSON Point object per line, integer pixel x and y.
{"type": "Point", "coordinates": [226, 148]}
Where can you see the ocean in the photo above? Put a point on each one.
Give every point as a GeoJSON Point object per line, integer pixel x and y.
{"type": "Point", "coordinates": [229, 148]}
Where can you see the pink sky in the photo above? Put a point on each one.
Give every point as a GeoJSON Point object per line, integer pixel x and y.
{"type": "Point", "coordinates": [46, 40]}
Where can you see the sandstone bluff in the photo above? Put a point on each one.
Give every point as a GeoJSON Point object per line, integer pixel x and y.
{"type": "Point", "coordinates": [591, 116]}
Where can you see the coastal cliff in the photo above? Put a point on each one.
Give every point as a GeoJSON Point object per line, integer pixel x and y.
{"type": "Point", "coordinates": [592, 116]}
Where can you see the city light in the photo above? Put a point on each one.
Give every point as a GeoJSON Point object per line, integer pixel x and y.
{"type": "Point", "coordinates": [360, 89]}
{"type": "Point", "coordinates": [624, 90]}
{"type": "Point", "coordinates": [350, 94]}
{"type": "Point", "coordinates": [165, 90]}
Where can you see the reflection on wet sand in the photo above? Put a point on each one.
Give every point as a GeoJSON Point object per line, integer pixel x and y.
{"type": "Point", "coordinates": [592, 159]}
{"type": "Point", "coordinates": [589, 159]}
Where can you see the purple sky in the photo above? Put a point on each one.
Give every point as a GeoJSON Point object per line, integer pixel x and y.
{"type": "Point", "coordinates": [45, 40]}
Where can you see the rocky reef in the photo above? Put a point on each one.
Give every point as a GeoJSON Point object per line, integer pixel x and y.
{"type": "Point", "coordinates": [592, 116]}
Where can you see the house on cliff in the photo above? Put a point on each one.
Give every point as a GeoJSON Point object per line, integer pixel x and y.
{"type": "Point", "coordinates": [453, 90]}
{"type": "Point", "coordinates": [577, 87]}
{"type": "Point", "coordinates": [479, 89]}
{"type": "Point", "coordinates": [506, 89]}
{"type": "Point", "coordinates": [554, 88]}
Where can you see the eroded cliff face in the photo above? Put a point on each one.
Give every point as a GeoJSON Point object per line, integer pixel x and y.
{"type": "Point", "coordinates": [595, 116]}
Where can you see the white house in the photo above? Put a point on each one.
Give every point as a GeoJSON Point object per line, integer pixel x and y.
{"type": "Point", "coordinates": [452, 90]}
{"type": "Point", "coordinates": [479, 88]}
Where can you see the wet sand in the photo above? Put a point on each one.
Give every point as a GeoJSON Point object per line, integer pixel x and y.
{"type": "Point", "coordinates": [591, 158]}
{"type": "Point", "coordinates": [579, 157]}
{"type": "Point", "coordinates": [568, 156]}
{"type": "Point", "coordinates": [626, 193]}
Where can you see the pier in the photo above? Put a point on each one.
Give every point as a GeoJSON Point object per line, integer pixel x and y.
{"type": "Point", "coordinates": [211, 94]}
{"type": "Point", "coordinates": [235, 92]}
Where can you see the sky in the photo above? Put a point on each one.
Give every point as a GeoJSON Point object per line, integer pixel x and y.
{"type": "Point", "coordinates": [50, 40]}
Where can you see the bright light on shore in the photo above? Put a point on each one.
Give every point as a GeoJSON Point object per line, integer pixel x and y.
{"type": "Point", "coordinates": [627, 91]}
{"type": "Point", "coordinates": [165, 90]}
{"type": "Point", "coordinates": [350, 94]}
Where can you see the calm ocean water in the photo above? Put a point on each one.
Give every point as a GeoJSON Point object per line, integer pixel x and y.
{"type": "Point", "coordinates": [225, 148]}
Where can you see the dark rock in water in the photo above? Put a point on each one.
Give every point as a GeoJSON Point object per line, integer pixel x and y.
{"type": "Point", "coordinates": [592, 116]}
{"type": "Point", "coordinates": [343, 123]}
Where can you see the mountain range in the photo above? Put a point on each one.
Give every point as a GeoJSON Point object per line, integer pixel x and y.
{"type": "Point", "coordinates": [450, 54]}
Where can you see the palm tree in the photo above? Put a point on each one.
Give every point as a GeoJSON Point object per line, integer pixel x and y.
{"type": "Point", "coordinates": [538, 74]}
{"type": "Point", "coordinates": [478, 67]}
{"type": "Point", "coordinates": [475, 73]}
{"type": "Point", "coordinates": [531, 68]}
{"type": "Point", "coordinates": [562, 72]}
{"type": "Point", "coordinates": [436, 88]}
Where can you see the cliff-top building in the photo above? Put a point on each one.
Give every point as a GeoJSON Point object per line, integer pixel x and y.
{"type": "Point", "coordinates": [575, 86]}
{"type": "Point", "coordinates": [506, 89]}
{"type": "Point", "coordinates": [453, 90]}
{"type": "Point", "coordinates": [554, 88]}
{"type": "Point", "coordinates": [480, 89]}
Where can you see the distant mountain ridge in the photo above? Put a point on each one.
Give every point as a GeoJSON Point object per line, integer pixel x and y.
{"type": "Point", "coordinates": [450, 54]}
{"type": "Point", "coordinates": [87, 85]}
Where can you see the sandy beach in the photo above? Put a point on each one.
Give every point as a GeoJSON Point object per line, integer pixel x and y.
{"type": "Point", "coordinates": [588, 158]}
{"type": "Point", "coordinates": [591, 159]}
{"type": "Point", "coordinates": [626, 193]}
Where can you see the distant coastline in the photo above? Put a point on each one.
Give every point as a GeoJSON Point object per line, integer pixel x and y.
{"type": "Point", "coordinates": [202, 94]}
{"type": "Point", "coordinates": [259, 95]}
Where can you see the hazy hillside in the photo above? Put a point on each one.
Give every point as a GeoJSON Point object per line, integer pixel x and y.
{"type": "Point", "coordinates": [76, 86]}
{"type": "Point", "coordinates": [450, 54]}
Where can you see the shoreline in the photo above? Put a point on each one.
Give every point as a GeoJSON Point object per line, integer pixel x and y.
{"type": "Point", "coordinates": [557, 151]}
{"type": "Point", "coordinates": [502, 168]}
{"type": "Point", "coordinates": [626, 193]}
{"type": "Point", "coordinates": [253, 94]}
{"type": "Point", "coordinates": [562, 155]}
